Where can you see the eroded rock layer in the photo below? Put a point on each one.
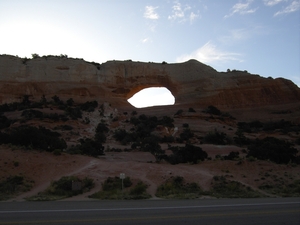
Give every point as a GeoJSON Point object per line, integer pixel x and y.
{"type": "Point", "coordinates": [191, 82]}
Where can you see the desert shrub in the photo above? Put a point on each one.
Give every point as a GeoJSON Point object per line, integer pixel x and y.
{"type": "Point", "coordinates": [270, 148]}
{"type": "Point", "coordinates": [115, 183]}
{"type": "Point", "coordinates": [188, 153]}
{"type": "Point", "coordinates": [256, 126]}
{"type": "Point", "coordinates": [40, 138]}
{"type": "Point", "coordinates": [240, 139]}
{"type": "Point", "coordinates": [101, 128]}
{"type": "Point", "coordinates": [100, 137]}
{"type": "Point", "coordinates": [166, 121]}
{"type": "Point", "coordinates": [57, 100]}
{"type": "Point", "coordinates": [151, 144]}
{"type": "Point", "coordinates": [223, 188]}
{"type": "Point", "coordinates": [89, 147]}
{"type": "Point", "coordinates": [250, 127]}
{"type": "Point", "coordinates": [64, 127]}
{"type": "Point", "coordinates": [13, 185]}
{"type": "Point", "coordinates": [216, 137]}
{"type": "Point", "coordinates": [4, 122]}
{"type": "Point", "coordinates": [122, 136]}
{"type": "Point", "coordinates": [282, 125]}
{"type": "Point", "coordinates": [73, 112]}
{"type": "Point", "coordinates": [112, 189]}
{"type": "Point", "coordinates": [186, 135]}
{"type": "Point", "coordinates": [32, 113]}
{"type": "Point", "coordinates": [192, 110]}
{"type": "Point", "coordinates": [139, 189]}
{"type": "Point", "coordinates": [179, 112]}
{"type": "Point", "coordinates": [176, 187]}
{"type": "Point", "coordinates": [89, 106]}
{"type": "Point", "coordinates": [232, 156]}
{"type": "Point", "coordinates": [284, 189]}
{"type": "Point", "coordinates": [70, 102]}
{"type": "Point", "coordinates": [168, 139]}
{"type": "Point", "coordinates": [212, 110]}
{"type": "Point", "coordinates": [62, 188]}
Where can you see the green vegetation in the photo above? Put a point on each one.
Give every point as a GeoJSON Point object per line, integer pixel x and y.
{"type": "Point", "coordinates": [223, 188]}
{"type": "Point", "coordinates": [89, 147]}
{"type": "Point", "coordinates": [112, 189]}
{"type": "Point", "coordinates": [187, 154]}
{"type": "Point", "coordinates": [283, 189]}
{"type": "Point", "coordinates": [217, 138]}
{"type": "Point", "coordinates": [214, 111]}
{"type": "Point", "coordinates": [231, 156]}
{"type": "Point", "coordinates": [12, 186]}
{"type": "Point", "coordinates": [33, 137]}
{"type": "Point", "coordinates": [257, 126]}
{"type": "Point", "coordinates": [64, 188]}
{"type": "Point", "coordinates": [186, 135]}
{"type": "Point", "coordinates": [276, 150]}
{"type": "Point", "coordinates": [176, 187]}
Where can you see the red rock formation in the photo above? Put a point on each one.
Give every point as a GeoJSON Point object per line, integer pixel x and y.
{"type": "Point", "coordinates": [115, 81]}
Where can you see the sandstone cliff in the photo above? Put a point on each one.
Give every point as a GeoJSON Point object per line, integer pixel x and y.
{"type": "Point", "coordinates": [115, 81]}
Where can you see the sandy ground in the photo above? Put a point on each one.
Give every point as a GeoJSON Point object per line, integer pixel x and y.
{"type": "Point", "coordinates": [43, 167]}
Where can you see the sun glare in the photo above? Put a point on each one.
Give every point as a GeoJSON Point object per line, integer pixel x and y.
{"type": "Point", "coordinates": [152, 97]}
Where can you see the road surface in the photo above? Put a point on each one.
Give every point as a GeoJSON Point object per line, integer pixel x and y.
{"type": "Point", "coordinates": [205, 211]}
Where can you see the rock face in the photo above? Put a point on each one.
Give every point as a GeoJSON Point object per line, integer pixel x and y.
{"type": "Point", "coordinates": [116, 81]}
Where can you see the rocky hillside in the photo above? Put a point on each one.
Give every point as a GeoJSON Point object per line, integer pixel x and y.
{"type": "Point", "coordinates": [191, 82]}
{"type": "Point", "coordinates": [67, 117]}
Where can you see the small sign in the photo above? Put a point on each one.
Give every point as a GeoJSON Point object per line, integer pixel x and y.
{"type": "Point", "coordinates": [122, 176]}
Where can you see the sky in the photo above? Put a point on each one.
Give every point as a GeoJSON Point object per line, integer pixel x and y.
{"type": "Point", "coordinates": [260, 36]}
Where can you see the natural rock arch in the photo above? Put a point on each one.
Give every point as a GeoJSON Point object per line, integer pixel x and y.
{"type": "Point", "coordinates": [191, 83]}
{"type": "Point", "coordinates": [152, 96]}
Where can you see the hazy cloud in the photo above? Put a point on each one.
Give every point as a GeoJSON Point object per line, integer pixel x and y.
{"type": "Point", "coordinates": [273, 2]}
{"type": "Point", "coordinates": [209, 53]}
{"type": "Point", "coordinates": [150, 13]}
{"type": "Point", "coordinates": [193, 16]}
{"type": "Point", "coordinates": [243, 34]}
{"type": "Point", "coordinates": [241, 8]}
{"type": "Point", "coordinates": [182, 13]}
{"type": "Point", "coordinates": [292, 7]}
{"type": "Point", "coordinates": [146, 40]}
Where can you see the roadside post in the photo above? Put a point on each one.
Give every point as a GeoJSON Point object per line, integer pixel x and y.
{"type": "Point", "coordinates": [122, 177]}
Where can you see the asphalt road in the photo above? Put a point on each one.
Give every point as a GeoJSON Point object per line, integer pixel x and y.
{"type": "Point", "coordinates": [221, 211]}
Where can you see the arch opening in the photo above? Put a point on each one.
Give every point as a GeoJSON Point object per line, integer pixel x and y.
{"type": "Point", "coordinates": [153, 96]}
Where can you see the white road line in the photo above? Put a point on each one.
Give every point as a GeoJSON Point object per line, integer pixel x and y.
{"type": "Point", "coordinates": [147, 208]}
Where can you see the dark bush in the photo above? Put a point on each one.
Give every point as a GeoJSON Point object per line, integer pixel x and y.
{"type": "Point", "coordinates": [62, 188]}
{"type": "Point", "coordinates": [223, 188]}
{"type": "Point", "coordinates": [179, 112]}
{"type": "Point", "coordinates": [192, 110]}
{"type": "Point", "coordinates": [270, 148]}
{"type": "Point", "coordinates": [232, 156]}
{"type": "Point", "coordinates": [40, 138]}
{"type": "Point", "coordinates": [4, 122]}
{"type": "Point", "coordinates": [89, 106]}
{"type": "Point", "coordinates": [74, 113]}
{"type": "Point", "coordinates": [189, 153]}
{"type": "Point", "coordinates": [88, 147]}
{"type": "Point", "coordinates": [32, 113]}
{"type": "Point", "coordinates": [212, 110]}
{"type": "Point", "coordinates": [240, 139]}
{"type": "Point", "coordinates": [176, 187]}
{"type": "Point", "coordinates": [102, 128]}
{"type": "Point", "coordinates": [11, 186]}
{"type": "Point", "coordinates": [216, 137]}
{"type": "Point", "coordinates": [186, 134]}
